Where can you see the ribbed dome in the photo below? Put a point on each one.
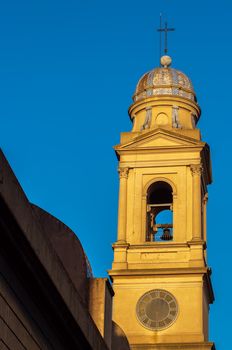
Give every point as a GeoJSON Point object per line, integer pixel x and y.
{"type": "Point", "coordinates": [164, 81]}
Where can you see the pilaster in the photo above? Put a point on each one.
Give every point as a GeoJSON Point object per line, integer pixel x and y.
{"type": "Point", "coordinates": [196, 170]}
{"type": "Point", "coordinates": [122, 204]}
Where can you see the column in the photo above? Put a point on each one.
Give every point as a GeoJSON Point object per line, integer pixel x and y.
{"type": "Point", "coordinates": [205, 200]}
{"type": "Point", "coordinates": [176, 237]}
{"type": "Point", "coordinates": [122, 204]}
{"type": "Point", "coordinates": [196, 174]}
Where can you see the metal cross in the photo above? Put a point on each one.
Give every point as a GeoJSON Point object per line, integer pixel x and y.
{"type": "Point", "coordinates": [165, 30]}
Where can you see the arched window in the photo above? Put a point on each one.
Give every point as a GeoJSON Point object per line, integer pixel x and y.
{"type": "Point", "coordinates": [159, 212]}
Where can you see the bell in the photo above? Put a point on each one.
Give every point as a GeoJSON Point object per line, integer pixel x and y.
{"type": "Point", "coordinates": [166, 236]}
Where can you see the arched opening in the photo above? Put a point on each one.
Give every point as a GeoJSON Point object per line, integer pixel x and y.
{"type": "Point", "coordinates": [159, 212]}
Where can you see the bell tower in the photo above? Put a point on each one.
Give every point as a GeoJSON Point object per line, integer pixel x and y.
{"type": "Point", "coordinates": [160, 274]}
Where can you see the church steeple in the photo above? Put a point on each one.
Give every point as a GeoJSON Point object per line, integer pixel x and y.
{"type": "Point", "coordinates": [160, 274]}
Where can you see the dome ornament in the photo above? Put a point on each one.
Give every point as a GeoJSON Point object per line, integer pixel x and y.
{"type": "Point", "coordinates": [165, 61]}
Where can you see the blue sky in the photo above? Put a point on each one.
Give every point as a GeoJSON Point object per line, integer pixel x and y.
{"type": "Point", "coordinates": [68, 70]}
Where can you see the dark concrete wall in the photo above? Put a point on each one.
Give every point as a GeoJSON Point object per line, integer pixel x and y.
{"type": "Point", "coordinates": [119, 339]}
{"type": "Point", "coordinates": [33, 313]}
{"type": "Point", "coordinates": [68, 248]}
{"type": "Point", "coordinates": [22, 324]}
{"type": "Point", "coordinates": [40, 305]}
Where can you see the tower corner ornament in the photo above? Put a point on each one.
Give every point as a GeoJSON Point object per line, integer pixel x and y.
{"type": "Point", "coordinates": [123, 172]}
{"type": "Point", "coordinates": [196, 169]}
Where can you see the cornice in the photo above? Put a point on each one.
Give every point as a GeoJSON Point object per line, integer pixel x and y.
{"type": "Point", "coordinates": [162, 100]}
{"type": "Point", "coordinates": [159, 149]}
{"type": "Point", "coordinates": [161, 271]}
{"type": "Point", "coordinates": [159, 245]}
{"type": "Point", "coordinates": [174, 346]}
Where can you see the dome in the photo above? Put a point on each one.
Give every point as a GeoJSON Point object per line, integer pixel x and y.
{"type": "Point", "coordinates": [164, 81]}
{"type": "Point", "coordinates": [164, 98]}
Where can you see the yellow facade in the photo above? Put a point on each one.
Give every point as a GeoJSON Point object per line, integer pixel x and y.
{"type": "Point", "coordinates": [163, 159]}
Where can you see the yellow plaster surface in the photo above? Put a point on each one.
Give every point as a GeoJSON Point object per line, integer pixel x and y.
{"type": "Point", "coordinates": [160, 151]}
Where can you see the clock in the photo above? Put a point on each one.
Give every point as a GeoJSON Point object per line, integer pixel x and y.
{"type": "Point", "coordinates": [157, 309]}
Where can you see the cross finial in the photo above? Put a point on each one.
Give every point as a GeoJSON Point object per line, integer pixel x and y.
{"type": "Point", "coordinates": [164, 30]}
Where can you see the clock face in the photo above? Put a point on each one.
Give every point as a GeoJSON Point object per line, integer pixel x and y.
{"type": "Point", "coordinates": [157, 309]}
